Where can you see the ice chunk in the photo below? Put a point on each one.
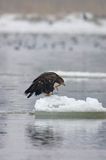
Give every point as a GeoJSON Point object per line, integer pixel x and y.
{"type": "Point", "coordinates": [57, 103]}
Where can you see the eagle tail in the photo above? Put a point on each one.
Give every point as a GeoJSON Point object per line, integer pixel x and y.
{"type": "Point", "coordinates": [29, 91]}
{"type": "Point", "coordinates": [33, 89]}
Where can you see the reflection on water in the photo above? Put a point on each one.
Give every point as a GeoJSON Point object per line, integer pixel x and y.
{"type": "Point", "coordinates": [42, 136]}
{"type": "Point", "coordinates": [68, 133]}
{"type": "Point", "coordinates": [24, 138]}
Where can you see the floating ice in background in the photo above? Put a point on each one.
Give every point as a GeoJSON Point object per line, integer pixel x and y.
{"type": "Point", "coordinates": [80, 23]}
{"type": "Point", "coordinates": [56, 103]}
{"type": "Point", "coordinates": [81, 74]}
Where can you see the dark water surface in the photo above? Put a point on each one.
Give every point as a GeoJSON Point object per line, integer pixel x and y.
{"type": "Point", "coordinates": [22, 58]}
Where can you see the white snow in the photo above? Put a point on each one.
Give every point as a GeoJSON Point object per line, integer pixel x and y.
{"type": "Point", "coordinates": [80, 23]}
{"type": "Point", "coordinates": [57, 103]}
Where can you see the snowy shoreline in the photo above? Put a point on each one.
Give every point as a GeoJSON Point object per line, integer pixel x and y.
{"type": "Point", "coordinates": [76, 23]}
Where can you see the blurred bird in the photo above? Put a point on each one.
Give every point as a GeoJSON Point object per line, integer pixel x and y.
{"type": "Point", "coordinates": [45, 83]}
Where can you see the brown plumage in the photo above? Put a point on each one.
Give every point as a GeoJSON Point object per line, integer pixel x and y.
{"type": "Point", "coordinates": [45, 83]}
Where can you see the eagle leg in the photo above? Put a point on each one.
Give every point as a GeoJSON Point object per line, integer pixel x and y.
{"type": "Point", "coordinates": [49, 94]}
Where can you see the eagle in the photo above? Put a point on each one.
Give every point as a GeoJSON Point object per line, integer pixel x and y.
{"type": "Point", "coordinates": [46, 83]}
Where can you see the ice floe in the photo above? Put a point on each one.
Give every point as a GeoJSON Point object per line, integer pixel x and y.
{"type": "Point", "coordinates": [57, 103]}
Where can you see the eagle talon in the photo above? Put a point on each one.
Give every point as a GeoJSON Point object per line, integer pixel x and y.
{"type": "Point", "coordinates": [48, 94]}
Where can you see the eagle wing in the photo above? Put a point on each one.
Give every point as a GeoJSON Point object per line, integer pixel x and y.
{"type": "Point", "coordinates": [36, 87]}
